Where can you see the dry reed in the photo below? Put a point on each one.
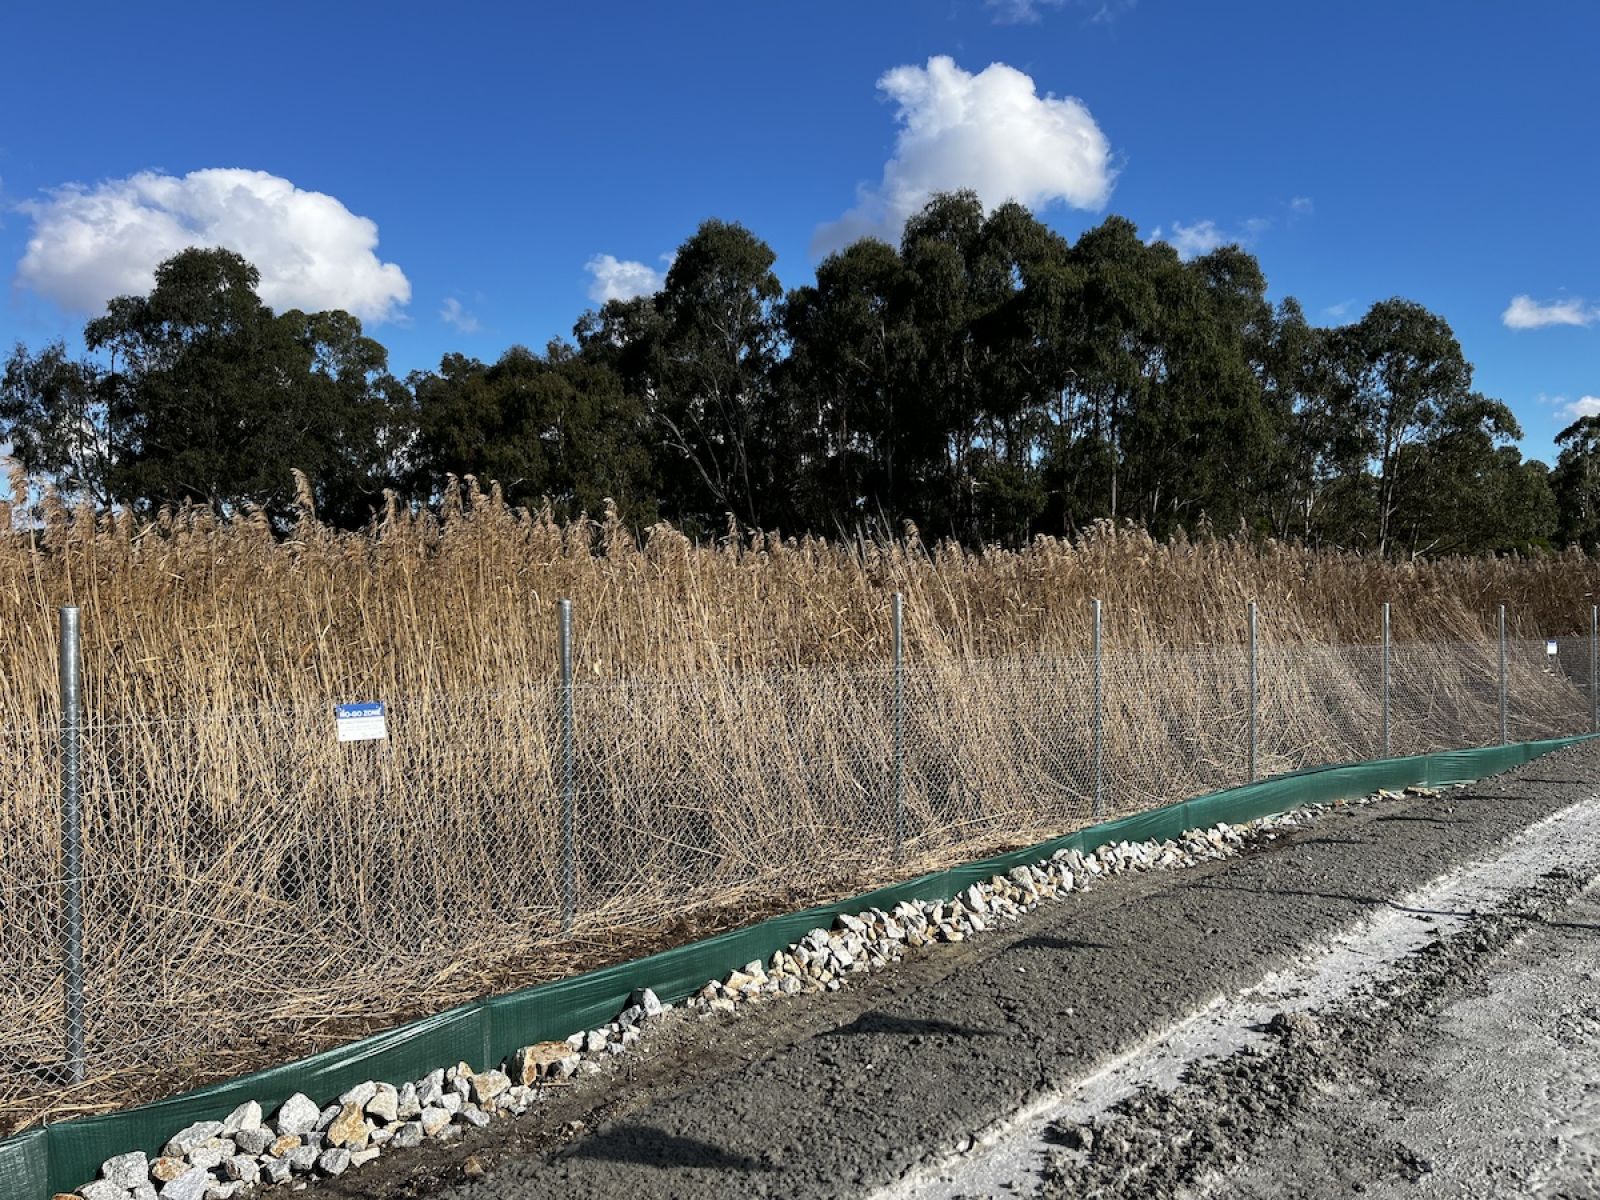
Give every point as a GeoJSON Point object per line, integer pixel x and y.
{"type": "Point", "coordinates": [254, 889]}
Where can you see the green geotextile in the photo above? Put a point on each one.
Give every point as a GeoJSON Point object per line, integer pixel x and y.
{"type": "Point", "coordinates": [61, 1157]}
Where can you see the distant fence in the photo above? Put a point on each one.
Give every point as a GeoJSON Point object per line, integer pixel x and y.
{"type": "Point", "coordinates": [187, 899]}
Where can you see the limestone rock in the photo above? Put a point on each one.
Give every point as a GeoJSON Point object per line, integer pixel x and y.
{"type": "Point", "coordinates": [243, 1168]}
{"type": "Point", "coordinates": [126, 1170]}
{"type": "Point", "coordinates": [210, 1153]}
{"type": "Point", "coordinates": [543, 1060]}
{"type": "Point", "coordinates": [275, 1170]}
{"type": "Point", "coordinates": [385, 1103]}
{"type": "Point", "coordinates": [253, 1141]}
{"type": "Point", "coordinates": [165, 1169]}
{"type": "Point", "coordinates": [488, 1084]}
{"type": "Point", "coordinates": [360, 1094]}
{"type": "Point", "coordinates": [349, 1129]}
{"type": "Point", "coordinates": [298, 1115]}
{"type": "Point", "coordinates": [246, 1116]}
{"type": "Point", "coordinates": [191, 1136]}
{"type": "Point", "coordinates": [433, 1120]}
{"type": "Point", "coordinates": [408, 1103]}
{"type": "Point", "coordinates": [302, 1158]}
{"type": "Point", "coordinates": [191, 1185]}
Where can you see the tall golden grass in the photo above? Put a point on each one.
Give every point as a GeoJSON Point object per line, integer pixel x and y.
{"type": "Point", "coordinates": [255, 889]}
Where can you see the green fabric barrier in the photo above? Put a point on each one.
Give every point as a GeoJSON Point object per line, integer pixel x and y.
{"type": "Point", "coordinates": [57, 1158]}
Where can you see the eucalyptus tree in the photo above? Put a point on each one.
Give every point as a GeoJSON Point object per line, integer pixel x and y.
{"type": "Point", "coordinates": [1576, 484]}
{"type": "Point", "coordinates": [556, 428]}
{"type": "Point", "coordinates": [199, 392]}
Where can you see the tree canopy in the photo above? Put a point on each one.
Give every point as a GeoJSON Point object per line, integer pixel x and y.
{"type": "Point", "coordinates": [985, 379]}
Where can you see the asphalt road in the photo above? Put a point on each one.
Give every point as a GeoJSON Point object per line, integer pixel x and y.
{"type": "Point", "coordinates": [849, 1092]}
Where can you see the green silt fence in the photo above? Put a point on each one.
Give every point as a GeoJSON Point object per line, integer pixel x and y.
{"type": "Point", "coordinates": [58, 1158]}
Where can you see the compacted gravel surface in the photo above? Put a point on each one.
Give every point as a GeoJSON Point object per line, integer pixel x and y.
{"type": "Point", "coordinates": [847, 1092]}
{"type": "Point", "coordinates": [1470, 1074]}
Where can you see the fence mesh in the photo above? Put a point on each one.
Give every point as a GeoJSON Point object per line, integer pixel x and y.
{"type": "Point", "coordinates": [253, 890]}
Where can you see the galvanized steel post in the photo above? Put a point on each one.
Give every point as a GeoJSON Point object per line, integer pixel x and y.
{"type": "Point", "coordinates": [1253, 691]}
{"type": "Point", "coordinates": [1099, 718]}
{"type": "Point", "coordinates": [1503, 738]}
{"type": "Point", "coordinates": [899, 723]}
{"type": "Point", "coordinates": [1594, 668]}
{"type": "Point", "coordinates": [569, 777]}
{"type": "Point", "coordinates": [72, 838]}
{"type": "Point", "coordinates": [1385, 672]}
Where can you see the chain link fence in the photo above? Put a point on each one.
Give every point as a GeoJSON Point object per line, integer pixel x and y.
{"type": "Point", "coordinates": [252, 889]}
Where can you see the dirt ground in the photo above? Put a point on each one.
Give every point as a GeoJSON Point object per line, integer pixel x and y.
{"type": "Point", "coordinates": [872, 1087]}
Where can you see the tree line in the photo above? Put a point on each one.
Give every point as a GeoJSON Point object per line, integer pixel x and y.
{"type": "Point", "coordinates": [987, 380]}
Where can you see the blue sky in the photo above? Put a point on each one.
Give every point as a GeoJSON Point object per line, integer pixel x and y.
{"type": "Point", "coordinates": [1448, 152]}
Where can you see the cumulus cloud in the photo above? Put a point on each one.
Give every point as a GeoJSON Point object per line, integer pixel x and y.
{"type": "Point", "coordinates": [991, 132]}
{"type": "Point", "coordinates": [1583, 406]}
{"type": "Point", "coordinates": [1031, 12]}
{"type": "Point", "coordinates": [1019, 12]}
{"type": "Point", "coordinates": [1524, 312]}
{"type": "Point", "coordinates": [1191, 241]}
{"type": "Point", "coordinates": [454, 314]}
{"type": "Point", "coordinates": [89, 244]}
{"type": "Point", "coordinates": [1202, 237]}
{"type": "Point", "coordinates": [612, 278]}
{"type": "Point", "coordinates": [1302, 206]}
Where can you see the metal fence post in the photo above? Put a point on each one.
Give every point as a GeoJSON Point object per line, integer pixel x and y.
{"type": "Point", "coordinates": [899, 723]}
{"type": "Point", "coordinates": [1503, 738]}
{"type": "Point", "coordinates": [1385, 671]}
{"type": "Point", "coordinates": [1253, 691]}
{"type": "Point", "coordinates": [569, 777]}
{"type": "Point", "coordinates": [1099, 719]}
{"type": "Point", "coordinates": [72, 837]}
{"type": "Point", "coordinates": [1594, 668]}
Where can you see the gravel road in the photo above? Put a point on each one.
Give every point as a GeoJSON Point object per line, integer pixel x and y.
{"type": "Point", "coordinates": [1483, 1080]}
{"type": "Point", "coordinates": [863, 1089]}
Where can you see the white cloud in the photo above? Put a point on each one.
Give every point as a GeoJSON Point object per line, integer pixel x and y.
{"type": "Point", "coordinates": [1030, 12]}
{"type": "Point", "coordinates": [621, 279]}
{"type": "Point", "coordinates": [1190, 241]}
{"type": "Point", "coordinates": [90, 244]}
{"type": "Point", "coordinates": [1302, 206]}
{"type": "Point", "coordinates": [1202, 237]}
{"type": "Point", "coordinates": [990, 132]}
{"type": "Point", "coordinates": [453, 314]}
{"type": "Point", "coordinates": [1583, 406]}
{"type": "Point", "coordinates": [1020, 12]}
{"type": "Point", "coordinates": [1339, 313]}
{"type": "Point", "coordinates": [1524, 312]}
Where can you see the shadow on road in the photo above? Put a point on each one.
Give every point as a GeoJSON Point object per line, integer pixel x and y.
{"type": "Point", "coordinates": [1051, 942]}
{"type": "Point", "coordinates": [650, 1147]}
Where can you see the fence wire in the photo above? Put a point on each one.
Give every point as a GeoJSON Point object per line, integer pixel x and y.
{"type": "Point", "coordinates": [251, 888]}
